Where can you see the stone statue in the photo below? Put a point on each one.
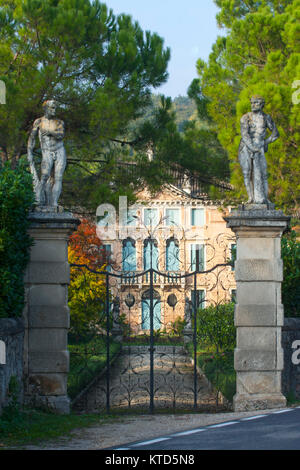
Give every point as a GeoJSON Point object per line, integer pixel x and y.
{"type": "Point", "coordinates": [188, 309]}
{"type": "Point", "coordinates": [116, 312]}
{"type": "Point", "coordinates": [51, 133]}
{"type": "Point", "coordinates": [252, 150]}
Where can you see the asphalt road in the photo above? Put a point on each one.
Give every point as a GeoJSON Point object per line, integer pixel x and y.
{"type": "Point", "coordinates": [278, 430]}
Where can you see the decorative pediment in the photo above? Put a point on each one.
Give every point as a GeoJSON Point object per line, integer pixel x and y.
{"type": "Point", "coordinates": [171, 195]}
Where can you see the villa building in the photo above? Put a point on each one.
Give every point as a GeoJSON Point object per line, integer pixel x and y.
{"type": "Point", "coordinates": [177, 234]}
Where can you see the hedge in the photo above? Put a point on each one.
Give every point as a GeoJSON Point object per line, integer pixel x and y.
{"type": "Point", "coordinates": [290, 249]}
{"type": "Point", "coordinates": [16, 198]}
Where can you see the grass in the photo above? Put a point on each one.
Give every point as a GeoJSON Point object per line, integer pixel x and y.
{"type": "Point", "coordinates": [21, 428]}
{"type": "Point", "coordinates": [218, 368]}
{"type": "Point", "coordinates": [87, 360]}
{"type": "Point", "coordinates": [292, 400]}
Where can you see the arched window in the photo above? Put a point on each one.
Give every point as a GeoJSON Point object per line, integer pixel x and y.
{"type": "Point", "coordinates": [129, 255]}
{"type": "Point", "coordinates": [150, 254]}
{"type": "Point", "coordinates": [146, 310]}
{"type": "Point", "coordinates": [172, 255]}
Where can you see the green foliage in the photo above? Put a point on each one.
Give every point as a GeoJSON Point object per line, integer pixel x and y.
{"type": "Point", "coordinates": [86, 296]}
{"type": "Point", "coordinates": [87, 360]}
{"type": "Point", "coordinates": [100, 67]}
{"type": "Point", "coordinates": [258, 55]}
{"type": "Point", "coordinates": [215, 327]}
{"type": "Point", "coordinates": [216, 335]}
{"type": "Point", "coordinates": [35, 426]}
{"type": "Point", "coordinates": [290, 250]}
{"type": "Point", "coordinates": [16, 198]}
{"type": "Point", "coordinates": [219, 370]}
{"type": "Point", "coordinates": [177, 327]}
{"type": "Point", "coordinates": [12, 410]}
{"type": "Point", "coordinates": [128, 168]}
{"type": "Point", "coordinates": [183, 107]}
{"type": "Point", "coordinates": [161, 338]}
{"type": "Point", "coordinates": [189, 150]}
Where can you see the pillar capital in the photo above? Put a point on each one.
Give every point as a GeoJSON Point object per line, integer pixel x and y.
{"type": "Point", "coordinates": [251, 221]}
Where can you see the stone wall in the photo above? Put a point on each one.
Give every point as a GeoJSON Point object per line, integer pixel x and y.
{"type": "Point", "coordinates": [291, 372]}
{"type": "Point", "coordinates": [12, 334]}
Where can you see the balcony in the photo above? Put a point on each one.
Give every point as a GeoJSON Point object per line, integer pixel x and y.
{"type": "Point", "coordinates": [137, 278]}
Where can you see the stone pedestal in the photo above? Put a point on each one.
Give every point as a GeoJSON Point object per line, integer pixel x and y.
{"type": "Point", "coordinates": [259, 312]}
{"type": "Point", "coordinates": [188, 334]}
{"type": "Point", "coordinates": [117, 334]}
{"type": "Point", "coordinates": [46, 358]}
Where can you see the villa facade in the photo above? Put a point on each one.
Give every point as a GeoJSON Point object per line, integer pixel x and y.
{"type": "Point", "coordinates": [177, 235]}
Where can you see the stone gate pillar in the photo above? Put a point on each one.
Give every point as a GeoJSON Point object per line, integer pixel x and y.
{"type": "Point", "coordinates": [46, 315]}
{"type": "Point", "coordinates": [259, 315]}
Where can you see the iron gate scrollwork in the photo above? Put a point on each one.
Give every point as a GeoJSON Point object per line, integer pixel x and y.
{"type": "Point", "coordinates": [154, 370]}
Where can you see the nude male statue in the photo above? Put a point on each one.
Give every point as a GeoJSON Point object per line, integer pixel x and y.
{"type": "Point", "coordinates": [252, 150]}
{"type": "Point", "coordinates": [51, 133]}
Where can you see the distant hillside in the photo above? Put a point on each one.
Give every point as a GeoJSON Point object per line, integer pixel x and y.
{"type": "Point", "coordinates": [183, 106]}
{"type": "Point", "coordinates": [185, 109]}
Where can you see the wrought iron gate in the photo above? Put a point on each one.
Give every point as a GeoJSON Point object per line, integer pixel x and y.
{"type": "Point", "coordinates": [151, 375]}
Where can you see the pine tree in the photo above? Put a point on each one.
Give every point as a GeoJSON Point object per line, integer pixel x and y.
{"type": "Point", "coordinates": [258, 55]}
{"type": "Point", "coordinates": [98, 66]}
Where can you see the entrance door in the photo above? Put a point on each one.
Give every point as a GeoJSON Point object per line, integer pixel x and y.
{"type": "Point", "coordinates": [146, 311]}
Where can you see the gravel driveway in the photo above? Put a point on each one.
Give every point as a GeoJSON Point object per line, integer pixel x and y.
{"type": "Point", "coordinates": [134, 428]}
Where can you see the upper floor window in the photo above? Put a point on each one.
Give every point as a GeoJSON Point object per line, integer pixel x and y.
{"type": "Point", "coordinates": [172, 217]}
{"type": "Point", "coordinates": [129, 255]}
{"type": "Point", "coordinates": [132, 217]}
{"type": "Point", "coordinates": [197, 217]}
{"type": "Point", "coordinates": [151, 217]}
{"type": "Point", "coordinates": [172, 255]}
{"type": "Point", "coordinates": [150, 254]}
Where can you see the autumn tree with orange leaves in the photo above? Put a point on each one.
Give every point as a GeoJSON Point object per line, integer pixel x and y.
{"type": "Point", "coordinates": [86, 290]}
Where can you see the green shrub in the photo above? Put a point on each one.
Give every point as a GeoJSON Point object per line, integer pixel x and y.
{"type": "Point", "coordinates": [177, 327]}
{"type": "Point", "coordinates": [290, 251]}
{"type": "Point", "coordinates": [87, 360]}
{"type": "Point", "coordinates": [219, 370]}
{"type": "Point", "coordinates": [16, 198]}
{"type": "Point", "coordinates": [215, 327]}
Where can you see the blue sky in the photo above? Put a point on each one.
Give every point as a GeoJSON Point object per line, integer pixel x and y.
{"type": "Point", "coordinates": [188, 27]}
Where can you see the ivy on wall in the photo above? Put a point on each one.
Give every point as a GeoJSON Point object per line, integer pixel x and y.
{"type": "Point", "coordinates": [16, 198]}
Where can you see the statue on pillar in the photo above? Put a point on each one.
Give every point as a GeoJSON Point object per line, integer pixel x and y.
{"type": "Point", "coordinates": [253, 147]}
{"type": "Point", "coordinates": [51, 133]}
